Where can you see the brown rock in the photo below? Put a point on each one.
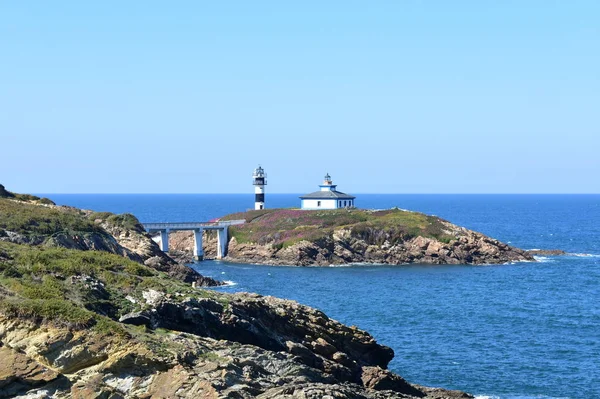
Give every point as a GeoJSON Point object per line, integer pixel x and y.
{"type": "Point", "coordinates": [18, 372]}
{"type": "Point", "coordinates": [323, 347]}
{"type": "Point", "coordinates": [380, 379]}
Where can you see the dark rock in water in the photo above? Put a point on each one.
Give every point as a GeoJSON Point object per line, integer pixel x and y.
{"type": "Point", "coordinates": [204, 281]}
{"type": "Point", "coordinates": [380, 379]}
{"type": "Point", "coordinates": [177, 270]}
{"type": "Point", "coordinates": [181, 256]}
{"type": "Point", "coordinates": [440, 393]}
{"type": "Point", "coordinates": [546, 252]}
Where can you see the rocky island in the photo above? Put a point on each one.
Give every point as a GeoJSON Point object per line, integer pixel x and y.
{"type": "Point", "coordinates": [90, 308]}
{"type": "Point", "coordinates": [333, 237]}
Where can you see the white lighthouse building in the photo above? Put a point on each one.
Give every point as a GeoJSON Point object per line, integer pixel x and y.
{"type": "Point", "coordinates": [259, 180]}
{"type": "Point", "coordinates": [327, 197]}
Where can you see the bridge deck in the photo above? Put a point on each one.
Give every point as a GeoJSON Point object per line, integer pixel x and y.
{"type": "Point", "coordinates": [192, 225]}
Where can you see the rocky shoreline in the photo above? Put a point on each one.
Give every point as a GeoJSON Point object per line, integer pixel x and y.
{"type": "Point", "coordinates": [263, 348]}
{"type": "Point", "coordinates": [105, 314]}
{"type": "Point", "coordinates": [546, 252]}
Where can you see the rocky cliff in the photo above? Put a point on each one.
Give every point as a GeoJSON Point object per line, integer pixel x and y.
{"type": "Point", "coordinates": [87, 323]}
{"type": "Point", "coordinates": [50, 361]}
{"type": "Point", "coordinates": [93, 324]}
{"type": "Point", "coordinates": [305, 238]}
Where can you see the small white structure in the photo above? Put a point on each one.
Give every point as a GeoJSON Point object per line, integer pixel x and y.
{"type": "Point", "coordinates": [327, 198]}
{"type": "Point", "coordinates": [259, 180]}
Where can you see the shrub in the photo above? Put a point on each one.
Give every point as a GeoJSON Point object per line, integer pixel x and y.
{"type": "Point", "coordinates": [126, 221]}
{"type": "Point", "coordinates": [284, 227]}
{"type": "Point", "coordinates": [30, 219]}
{"type": "Point", "coordinates": [46, 201]}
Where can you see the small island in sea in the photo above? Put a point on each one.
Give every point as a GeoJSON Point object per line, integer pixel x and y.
{"type": "Point", "coordinates": [329, 230]}
{"type": "Point", "coordinates": [345, 236]}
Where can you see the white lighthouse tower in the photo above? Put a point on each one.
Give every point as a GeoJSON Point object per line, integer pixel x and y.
{"type": "Point", "coordinates": [259, 180]}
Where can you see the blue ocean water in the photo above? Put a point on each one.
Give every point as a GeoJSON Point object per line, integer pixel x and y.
{"type": "Point", "coordinates": [524, 330]}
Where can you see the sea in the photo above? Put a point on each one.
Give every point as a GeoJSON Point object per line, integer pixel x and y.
{"type": "Point", "coordinates": [512, 331]}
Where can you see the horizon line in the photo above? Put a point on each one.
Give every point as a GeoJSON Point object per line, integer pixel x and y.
{"type": "Point", "coordinates": [278, 193]}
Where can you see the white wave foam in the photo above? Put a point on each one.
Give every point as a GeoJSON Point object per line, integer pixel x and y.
{"type": "Point", "coordinates": [362, 264]}
{"type": "Point", "coordinates": [226, 283]}
{"type": "Point", "coordinates": [543, 259]}
{"type": "Point", "coordinates": [517, 396]}
{"type": "Point", "coordinates": [586, 255]}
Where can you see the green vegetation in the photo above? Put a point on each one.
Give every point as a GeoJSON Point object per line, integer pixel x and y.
{"type": "Point", "coordinates": [34, 260]}
{"type": "Point", "coordinates": [284, 227]}
{"type": "Point", "coordinates": [55, 310]}
{"type": "Point", "coordinates": [60, 312]}
{"type": "Point", "coordinates": [73, 288]}
{"type": "Point", "coordinates": [126, 220]}
{"type": "Point", "coordinates": [212, 357]}
{"type": "Point", "coordinates": [247, 216]}
{"type": "Point", "coordinates": [76, 288]}
{"type": "Point", "coordinates": [41, 223]}
{"type": "Point", "coordinates": [35, 220]}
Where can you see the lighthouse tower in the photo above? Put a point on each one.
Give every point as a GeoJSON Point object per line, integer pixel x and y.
{"type": "Point", "coordinates": [259, 180]}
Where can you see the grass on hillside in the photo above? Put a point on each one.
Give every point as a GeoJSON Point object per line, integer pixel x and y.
{"type": "Point", "coordinates": [285, 227]}
{"type": "Point", "coordinates": [125, 220]}
{"type": "Point", "coordinates": [36, 220]}
{"type": "Point", "coordinates": [47, 283]}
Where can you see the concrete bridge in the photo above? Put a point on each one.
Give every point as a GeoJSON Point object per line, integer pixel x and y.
{"type": "Point", "coordinates": [198, 228]}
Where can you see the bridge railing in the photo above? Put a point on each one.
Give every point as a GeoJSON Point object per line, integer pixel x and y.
{"type": "Point", "coordinates": [190, 225]}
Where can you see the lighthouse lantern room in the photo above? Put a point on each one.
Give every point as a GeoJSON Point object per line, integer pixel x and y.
{"type": "Point", "coordinates": [259, 180]}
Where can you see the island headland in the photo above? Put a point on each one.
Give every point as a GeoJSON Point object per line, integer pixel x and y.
{"type": "Point", "coordinates": [91, 308]}
{"type": "Point", "coordinates": [345, 236]}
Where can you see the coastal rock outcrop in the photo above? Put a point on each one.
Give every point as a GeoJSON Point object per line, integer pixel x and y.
{"type": "Point", "coordinates": [43, 359]}
{"type": "Point", "coordinates": [128, 331]}
{"type": "Point", "coordinates": [139, 246]}
{"type": "Point", "coordinates": [380, 237]}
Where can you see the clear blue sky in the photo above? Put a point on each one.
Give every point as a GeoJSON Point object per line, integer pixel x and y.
{"type": "Point", "coordinates": [386, 96]}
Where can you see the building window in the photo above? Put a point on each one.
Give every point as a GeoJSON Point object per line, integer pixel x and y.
{"type": "Point", "coordinates": [344, 203]}
{"type": "Point", "coordinates": [318, 203]}
{"type": "Point", "coordinates": [340, 204]}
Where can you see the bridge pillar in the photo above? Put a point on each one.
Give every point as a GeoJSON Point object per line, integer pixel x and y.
{"type": "Point", "coordinates": [222, 242]}
{"type": "Point", "coordinates": [164, 240]}
{"type": "Point", "coordinates": [198, 250]}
